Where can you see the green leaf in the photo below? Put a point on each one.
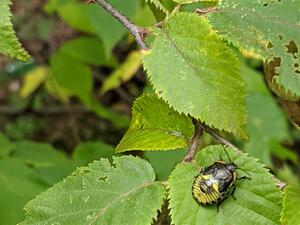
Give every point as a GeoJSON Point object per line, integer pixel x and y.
{"type": "Point", "coordinates": [53, 5]}
{"type": "Point", "coordinates": [93, 19]}
{"type": "Point", "coordinates": [123, 73]}
{"type": "Point", "coordinates": [158, 5]}
{"type": "Point", "coordinates": [77, 79]}
{"type": "Point", "coordinates": [258, 201]}
{"type": "Point", "coordinates": [5, 146]}
{"type": "Point", "coordinates": [38, 154]}
{"type": "Point", "coordinates": [73, 76]}
{"type": "Point", "coordinates": [107, 27]}
{"type": "Point", "coordinates": [206, 81]}
{"type": "Point", "coordinates": [57, 90]}
{"type": "Point", "coordinates": [287, 175]}
{"type": "Point", "coordinates": [119, 120]}
{"type": "Point", "coordinates": [89, 151]}
{"type": "Point", "coordinates": [49, 164]}
{"type": "Point", "coordinates": [87, 50]}
{"type": "Point", "coordinates": [145, 17]}
{"type": "Point", "coordinates": [283, 153]}
{"type": "Point", "coordinates": [18, 184]}
{"type": "Point", "coordinates": [155, 126]}
{"type": "Point", "coordinates": [266, 124]}
{"type": "Point", "coordinates": [101, 194]}
{"type": "Point", "coordinates": [290, 213]}
{"type": "Point", "coordinates": [170, 159]}
{"type": "Point", "coordinates": [268, 28]}
{"type": "Point", "coordinates": [77, 15]}
{"type": "Point", "coordinates": [9, 44]}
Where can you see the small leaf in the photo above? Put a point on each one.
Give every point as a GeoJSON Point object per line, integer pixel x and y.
{"type": "Point", "coordinates": [106, 27]}
{"type": "Point", "coordinates": [49, 164]}
{"type": "Point", "coordinates": [77, 15]}
{"type": "Point", "coordinates": [158, 5]}
{"type": "Point", "coordinates": [57, 90]}
{"type": "Point", "coordinates": [123, 73]}
{"type": "Point", "coordinates": [290, 214]}
{"type": "Point", "coordinates": [258, 201]}
{"type": "Point", "coordinates": [9, 44]}
{"type": "Point", "coordinates": [101, 194]}
{"type": "Point", "coordinates": [38, 154]}
{"type": "Point", "coordinates": [87, 50]}
{"type": "Point", "coordinates": [75, 77]}
{"type": "Point", "coordinates": [197, 74]}
{"type": "Point", "coordinates": [155, 126]}
{"type": "Point", "coordinates": [270, 29]}
{"type": "Point", "coordinates": [33, 80]}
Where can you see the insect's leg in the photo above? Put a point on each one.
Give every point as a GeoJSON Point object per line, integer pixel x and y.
{"type": "Point", "coordinates": [244, 178]}
{"type": "Point", "coordinates": [232, 193]}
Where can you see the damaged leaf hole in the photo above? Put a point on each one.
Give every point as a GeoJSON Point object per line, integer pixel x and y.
{"type": "Point", "coordinates": [103, 178]}
{"type": "Point", "coordinates": [292, 49]}
{"type": "Point", "coordinates": [270, 2]}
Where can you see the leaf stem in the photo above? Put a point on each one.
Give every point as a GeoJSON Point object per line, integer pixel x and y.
{"type": "Point", "coordinates": [194, 143]}
{"type": "Point", "coordinates": [136, 31]}
{"type": "Point", "coordinates": [218, 137]}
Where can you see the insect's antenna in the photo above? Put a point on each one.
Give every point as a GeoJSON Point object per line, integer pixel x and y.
{"type": "Point", "coordinates": [227, 153]}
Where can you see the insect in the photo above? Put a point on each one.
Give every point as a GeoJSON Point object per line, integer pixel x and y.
{"type": "Point", "coordinates": [216, 182]}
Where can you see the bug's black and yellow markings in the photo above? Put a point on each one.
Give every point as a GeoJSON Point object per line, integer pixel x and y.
{"type": "Point", "coordinates": [214, 183]}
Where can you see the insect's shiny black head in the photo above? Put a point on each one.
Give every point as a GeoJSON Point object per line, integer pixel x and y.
{"type": "Point", "coordinates": [231, 167]}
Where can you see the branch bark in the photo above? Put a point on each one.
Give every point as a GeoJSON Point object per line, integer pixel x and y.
{"type": "Point", "coordinates": [218, 137]}
{"type": "Point", "coordinates": [133, 28]}
{"type": "Point", "coordinates": [194, 143]}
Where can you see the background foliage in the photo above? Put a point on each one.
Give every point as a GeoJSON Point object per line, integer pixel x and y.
{"type": "Point", "coordinates": [234, 65]}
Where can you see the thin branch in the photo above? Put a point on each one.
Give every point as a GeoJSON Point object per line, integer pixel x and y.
{"type": "Point", "coordinates": [136, 31]}
{"type": "Point", "coordinates": [218, 137]}
{"type": "Point", "coordinates": [194, 143]}
{"type": "Point", "coordinates": [204, 11]}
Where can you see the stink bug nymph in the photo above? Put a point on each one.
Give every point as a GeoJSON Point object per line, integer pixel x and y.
{"type": "Point", "coordinates": [216, 182]}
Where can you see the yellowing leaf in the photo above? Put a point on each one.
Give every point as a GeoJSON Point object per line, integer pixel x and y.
{"type": "Point", "coordinates": [33, 80]}
{"type": "Point", "coordinates": [124, 73]}
{"type": "Point", "coordinates": [267, 28]}
{"type": "Point", "coordinates": [156, 126]}
{"type": "Point", "coordinates": [56, 90]}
